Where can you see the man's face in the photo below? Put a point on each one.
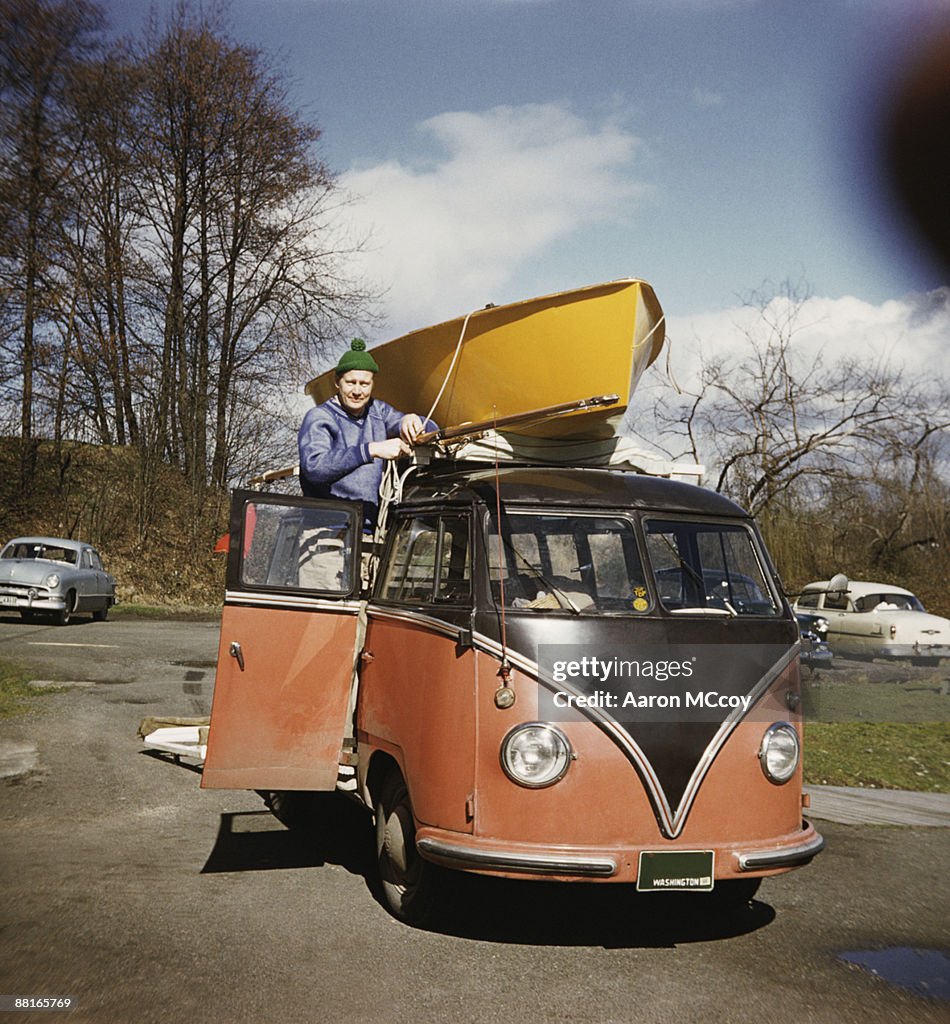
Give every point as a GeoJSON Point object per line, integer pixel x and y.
{"type": "Point", "coordinates": [355, 388]}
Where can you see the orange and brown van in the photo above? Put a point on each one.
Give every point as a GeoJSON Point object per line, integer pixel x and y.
{"type": "Point", "coordinates": [559, 673]}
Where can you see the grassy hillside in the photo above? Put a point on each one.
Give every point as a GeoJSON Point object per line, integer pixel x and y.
{"type": "Point", "coordinates": [155, 535]}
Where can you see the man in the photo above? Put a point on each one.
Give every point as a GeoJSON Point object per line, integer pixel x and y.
{"type": "Point", "coordinates": [343, 442]}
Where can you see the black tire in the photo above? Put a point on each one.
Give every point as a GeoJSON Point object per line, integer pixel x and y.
{"type": "Point", "coordinates": [409, 883]}
{"type": "Point", "coordinates": [62, 617]}
{"type": "Point", "coordinates": [925, 662]}
{"type": "Point", "coordinates": [101, 614]}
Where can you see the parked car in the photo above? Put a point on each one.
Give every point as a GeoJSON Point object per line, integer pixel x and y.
{"type": "Point", "coordinates": [816, 651]}
{"type": "Point", "coordinates": [877, 620]}
{"type": "Point", "coordinates": [52, 576]}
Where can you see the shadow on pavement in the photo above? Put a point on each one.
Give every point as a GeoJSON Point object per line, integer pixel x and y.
{"type": "Point", "coordinates": [322, 829]}
{"type": "Point", "coordinates": [587, 914]}
{"type": "Point", "coordinates": [327, 829]}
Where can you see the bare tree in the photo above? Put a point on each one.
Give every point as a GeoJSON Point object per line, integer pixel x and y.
{"type": "Point", "coordinates": [43, 43]}
{"type": "Point", "coordinates": [844, 461]}
{"type": "Point", "coordinates": [167, 264]}
{"type": "Point", "coordinates": [774, 418]}
{"type": "Point", "coordinates": [242, 280]}
{"type": "Point", "coordinates": [99, 254]}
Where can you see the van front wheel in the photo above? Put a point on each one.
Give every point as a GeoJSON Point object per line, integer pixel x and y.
{"type": "Point", "coordinates": [408, 881]}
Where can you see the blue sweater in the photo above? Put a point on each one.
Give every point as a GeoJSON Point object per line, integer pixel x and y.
{"type": "Point", "coordinates": [334, 452]}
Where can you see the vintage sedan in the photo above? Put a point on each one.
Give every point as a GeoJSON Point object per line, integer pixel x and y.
{"type": "Point", "coordinates": [55, 577]}
{"type": "Point", "coordinates": [877, 620]}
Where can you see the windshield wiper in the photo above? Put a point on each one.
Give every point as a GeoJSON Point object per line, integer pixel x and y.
{"type": "Point", "coordinates": [702, 609]}
{"type": "Point", "coordinates": [563, 598]}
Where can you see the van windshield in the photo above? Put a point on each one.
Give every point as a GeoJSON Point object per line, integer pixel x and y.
{"type": "Point", "coordinates": [709, 567]}
{"type": "Point", "coordinates": [579, 563]}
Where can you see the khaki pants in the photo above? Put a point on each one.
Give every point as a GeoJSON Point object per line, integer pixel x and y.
{"type": "Point", "coordinates": [321, 562]}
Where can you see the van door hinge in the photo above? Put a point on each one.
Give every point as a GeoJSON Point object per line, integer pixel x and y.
{"type": "Point", "coordinates": [470, 807]}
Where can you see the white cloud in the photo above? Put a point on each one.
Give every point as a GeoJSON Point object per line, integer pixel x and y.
{"type": "Point", "coordinates": [446, 236]}
{"type": "Point", "coordinates": [909, 333]}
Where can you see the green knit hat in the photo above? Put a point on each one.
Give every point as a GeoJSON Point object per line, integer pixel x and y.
{"type": "Point", "coordinates": [356, 359]}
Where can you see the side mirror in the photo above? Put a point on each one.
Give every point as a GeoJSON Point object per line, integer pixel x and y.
{"type": "Point", "coordinates": [838, 584]}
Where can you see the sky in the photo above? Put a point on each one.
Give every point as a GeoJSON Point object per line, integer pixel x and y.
{"type": "Point", "coordinates": [501, 149]}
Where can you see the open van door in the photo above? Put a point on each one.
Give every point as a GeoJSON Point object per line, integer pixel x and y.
{"type": "Point", "coordinates": [288, 634]}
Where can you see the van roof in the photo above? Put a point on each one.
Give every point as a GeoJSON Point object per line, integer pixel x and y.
{"type": "Point", "coordinates": [554, 485]}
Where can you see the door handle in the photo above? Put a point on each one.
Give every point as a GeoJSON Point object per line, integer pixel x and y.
{"type": "Point", "coordinates": [236, 652]}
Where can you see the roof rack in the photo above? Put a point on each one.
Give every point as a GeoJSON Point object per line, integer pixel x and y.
{"type": "Point", "coordinates": [614, 452]}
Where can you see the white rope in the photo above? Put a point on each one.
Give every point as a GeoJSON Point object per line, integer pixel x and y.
{"type": "Point", "coordinates": [650, 332]}
{"type": "Point", "coordinates": [390, 492]}
{"type": "Point", "coordinates": [391, 485]}
{"type": "Point", "coordinates": [669, 374]}
{"type": "Point", "coordinates": [458, 349]}
{"type": "Point", "coordinates": [668, 368]}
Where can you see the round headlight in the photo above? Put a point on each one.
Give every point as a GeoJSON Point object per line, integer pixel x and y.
{"type": "Point", "coordinates": [779, 752]}
{"type": "Point", "coordinates": [535, 754]}
{"type": "Point", "coordinates": [52, 581]}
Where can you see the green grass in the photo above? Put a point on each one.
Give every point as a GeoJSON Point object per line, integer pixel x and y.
{"type": "Point", "coordinates": [183, 613]}
{"type": "Point", "coordinates": [880, 755]}
{"type": "Point", "coordinates": [853, 698]}
{"type": "Point", "coordinates": [15, 694]}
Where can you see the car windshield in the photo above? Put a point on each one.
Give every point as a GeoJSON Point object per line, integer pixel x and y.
{"type": "Point", "coordinates": [48, 552]}
{"type": "Point", "coordinates": [708, 566]}
{"type": "Point", "coordinates": [578, 563]}
{"type": "Point", "coordinates": [888, 602]}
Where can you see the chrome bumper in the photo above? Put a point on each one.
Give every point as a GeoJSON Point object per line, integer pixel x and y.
{"type": "Point", "coordinates": [456, 856]}
{"type": "Point", "coordinates": [471, 857]}
{"type": "Point", "coordinates": [789, 857]}
{"type": "Point", "coordinates": [28, 602]}
{"type": "Point", "coordinates": [898, 652]}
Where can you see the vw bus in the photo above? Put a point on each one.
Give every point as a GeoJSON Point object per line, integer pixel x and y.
{"type": "Point", "coordinates": [559, 673]}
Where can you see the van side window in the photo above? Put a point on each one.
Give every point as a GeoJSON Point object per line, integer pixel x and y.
{"type": "Point", "coordinates": [297, 549]}
{"type": "Point", "coordinates": [430, 562]}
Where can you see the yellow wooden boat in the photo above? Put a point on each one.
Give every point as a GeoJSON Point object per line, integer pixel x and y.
{"type": "Point", "coordinates": [503, 360]}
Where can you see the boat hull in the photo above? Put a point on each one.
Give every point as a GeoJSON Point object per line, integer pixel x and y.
{"type": "Point", "coordinates": [527, 355]}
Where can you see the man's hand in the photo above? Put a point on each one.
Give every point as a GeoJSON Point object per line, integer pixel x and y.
{"type": "Point", "coordinates": [410, 428]}
{"type": "Point", "coordinates": [391, 448]}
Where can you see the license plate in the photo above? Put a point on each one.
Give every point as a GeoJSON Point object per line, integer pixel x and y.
{"type": "Point", "coordinates": [675, 869]}
{"type": "Point", "coordinates": [7, 599]}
